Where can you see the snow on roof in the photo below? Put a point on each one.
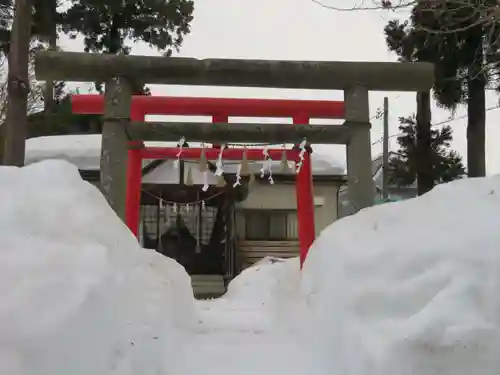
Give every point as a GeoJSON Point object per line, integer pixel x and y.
{"type": "Point", "coordinates": [84, 151]}
{"type": "Point", "coordinates": [81, 150]}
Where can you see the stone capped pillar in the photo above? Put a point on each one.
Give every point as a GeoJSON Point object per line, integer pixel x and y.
{"type": "Point", "coordinates": [361, 191]}
{"type": "Point", "coordinates": [114, 148]}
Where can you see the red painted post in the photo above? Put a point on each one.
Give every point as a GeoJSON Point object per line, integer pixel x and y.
{"type": "Point", "coordinates": [134, 179]}
{"type": "Point", "coordinates": [213, 154]}
{"type": "Point", "coordinates": [305, 201]}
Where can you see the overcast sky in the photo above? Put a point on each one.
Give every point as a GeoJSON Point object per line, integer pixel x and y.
{"type": "Point", "coordinates": [302, 30]}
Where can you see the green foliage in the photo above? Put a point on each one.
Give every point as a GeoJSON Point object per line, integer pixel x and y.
{"type": "Point", "coordinates": [406, 164]}
{"type": "Point", "coordinates": [462, 40]}
{"type": "Point", "coordinates": [62, 121]}
{"type": "Point", "coordinates": [40, 24]}
{"type": "Point", "coordinates": [107, 24]}
{"type": "Point", "coordinates": [411, 43]}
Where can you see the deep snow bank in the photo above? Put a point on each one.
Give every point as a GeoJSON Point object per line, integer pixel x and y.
{"type": "Point", "coordinates": [410, 287]}
{"type": "Point", "coordinates": [79, 296]}
{"type": "Point", "coordinates": [268, 282]}
{"type": "Point", "coordinates": [269, 288]}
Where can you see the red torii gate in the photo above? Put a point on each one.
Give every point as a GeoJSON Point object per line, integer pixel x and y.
{"type": "Point", "coordinates": [220, 109]}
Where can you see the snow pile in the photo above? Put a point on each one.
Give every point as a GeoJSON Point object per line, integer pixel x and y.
{"type": "Point", "coordinates": [259, 299]}
{"type": "Point", "coordinates": [406, 288]}
{"type": "Point", "coordinates": [410, 287]}
{"type": "Point", "coordinates": [266, 282]}
{"type": "Point", "coordinates": [79, 296]}
{"type": "Point", "coordinates": [272, 284]}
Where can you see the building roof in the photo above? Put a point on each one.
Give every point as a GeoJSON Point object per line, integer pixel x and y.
{"type": "Point", "coordinates": [84, 151]}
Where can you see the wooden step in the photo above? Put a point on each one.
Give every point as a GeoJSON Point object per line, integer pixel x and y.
{"type": "Point", "coordinates": [208, 286]}
{"type": "Point", "coordinates": [253, 251]}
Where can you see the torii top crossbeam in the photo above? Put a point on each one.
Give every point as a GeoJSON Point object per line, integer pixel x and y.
{"type": "Point", "coordinates": [332, 75]}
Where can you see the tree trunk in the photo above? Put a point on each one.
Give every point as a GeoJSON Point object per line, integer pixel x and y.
{"type": "Point", "coordinates": [50, 29]}
{"type": "Point", "coordinates": [476, 124]}
{"type": "Point", "coordinates": [425, 178]}
{"type": "Point", "coordinates": [16, 123]}
{"type": "Point", "coordinates": [2, 145]}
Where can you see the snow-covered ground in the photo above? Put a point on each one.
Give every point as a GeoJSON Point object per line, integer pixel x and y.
{"type": "Point", "coordinates": [410, 287]}
{"type": "Point", "coordinates": [79, 296]}
{"type": "Point", "coordinates": [403, 288]}
{"type": "Point", "coordinates": [241, 333]}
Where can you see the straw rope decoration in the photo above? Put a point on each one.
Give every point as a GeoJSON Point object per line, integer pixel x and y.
{"type": "Point", "coordinates": [244, 168]}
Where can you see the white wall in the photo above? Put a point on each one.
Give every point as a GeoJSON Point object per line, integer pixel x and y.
{"type": "Point", "coordinates": [282, 197]}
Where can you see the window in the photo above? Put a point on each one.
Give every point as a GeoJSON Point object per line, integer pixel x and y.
{"type": "Point", "coordinates": [265, 225]}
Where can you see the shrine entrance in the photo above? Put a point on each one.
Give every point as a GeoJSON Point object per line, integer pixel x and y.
{"type": "Point", "coordinates": [220, 109]}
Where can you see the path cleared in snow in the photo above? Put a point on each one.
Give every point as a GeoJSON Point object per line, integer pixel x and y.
{"type": "Point", "coordinates": [234, 339]}
{"type": "Point", "coordinates": [246, 331]}
{"type": "Point", "coordinates": [408, 288]}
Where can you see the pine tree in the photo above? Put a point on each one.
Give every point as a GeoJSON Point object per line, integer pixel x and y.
{"type": "Point", "coordinates": [108, 25]}
{"type": "Point", "coordinates": [404, 41]}
{"type": "Point", "coordinates": [405, 165]}
{"type": "Point", "coordinates": [462, 40]}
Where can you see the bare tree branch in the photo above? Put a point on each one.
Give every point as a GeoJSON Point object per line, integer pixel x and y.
{"type": "Point", "coordinates": [35, 96]}
{"type": "Point", "coordinates": [460, 15]}
{"type": "Point", "coordinates": [373, 5]}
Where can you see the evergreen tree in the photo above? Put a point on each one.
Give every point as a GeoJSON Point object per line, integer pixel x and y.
{"type": "Point", "coordinates": [404, 166]}
{"type": "Point", "coordinates": [404, 41]}
{"type": "Point", "coordinates": [461, 39]}
{"type": "Point", "coordinates": [107, 25]}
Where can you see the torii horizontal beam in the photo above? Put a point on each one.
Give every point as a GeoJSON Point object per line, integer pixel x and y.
{"type": "Point", "coordinates": [334, 75]}
{"type": "Point", "coordinates": [235, 132]}
{"type": "Point", "coordinates": [230, 107]}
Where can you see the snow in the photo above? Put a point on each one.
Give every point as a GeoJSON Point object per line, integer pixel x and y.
{"type": "Point", "coordinates": [410, 287]}
{"type": "Point", "coordinates": [84, 151]}
{"type": "Point", "coordinates": [272, 283]}
{"type": "Point", "coordinates": [247, 332]}
{"type": "Point", "coordinates": [79, 296]}
{"type": "Point", "coordinates": [405, 288]}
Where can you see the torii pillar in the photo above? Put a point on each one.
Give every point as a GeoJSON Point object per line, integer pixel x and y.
{"type": "Point", "coordinates": [361, 192]}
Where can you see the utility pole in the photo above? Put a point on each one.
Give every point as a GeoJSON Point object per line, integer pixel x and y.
{"type": "Point", "coordinates": [385, 152]}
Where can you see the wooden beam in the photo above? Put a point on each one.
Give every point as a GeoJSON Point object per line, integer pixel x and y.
{"type": "Point", "coordinates": [337, 75]}
{"type": "Point", "coordinates": [237, 133]}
